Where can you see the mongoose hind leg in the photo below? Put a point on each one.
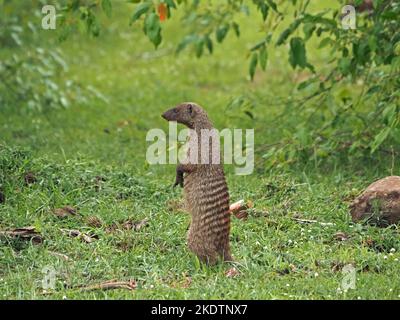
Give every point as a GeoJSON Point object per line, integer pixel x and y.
{"type": "Point", "coordinates": [208, 255]}
{"type": "Point", "coordinates": [228, 257]}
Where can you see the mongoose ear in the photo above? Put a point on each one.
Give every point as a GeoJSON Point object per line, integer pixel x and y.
{"type": "Point", "coordinates": [190, 108]}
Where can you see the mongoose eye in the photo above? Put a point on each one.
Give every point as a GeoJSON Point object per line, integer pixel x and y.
{"type": "Point", "coordinates": [190, 107]}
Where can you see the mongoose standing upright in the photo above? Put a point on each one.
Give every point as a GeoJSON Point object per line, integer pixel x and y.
{"type": "Point", "coordinates": [205, 190]}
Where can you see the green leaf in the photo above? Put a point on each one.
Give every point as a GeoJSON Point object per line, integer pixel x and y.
{"type": "Point", "coordinates": [310, 67]}
{"type": "Point", "coordinates": [297, 56]}
{"type": "Point", "coordinates": [344, 65]}
{"type": "Point", "coordinates": [361, 51]}
{"type": "Point", "coordinates": [209, 44]}
{"type": "Point", "coordinates": [283, 36]}
{"type": "Point", "coordinates": [107, 7]}
{"type": "Point", "coordinates": [222, 32]}
{"type": "Point", "coordinates": [261, 43]}
{"type": "Point", "coordinates": [307, 83]}
{"type": "Point", "coordinates": [380, 138]}
{"type": "Point", "coordinates": [152, 28]}
{"type": "Point", "coordinates": [253, 65]}
{"type": "Point", "coordinates": [141, 9]}
{"type": "Point", "coordinates": [308, 30]}
{"type": "Point", "coordinates": [263, 58]}
{"type": "Point", "coordinates": [249, 114]}
{"type": "Point", "coordinates": [264, 10]}
{"type": "Point", "coordinates": [324, 43]}
{"type": "Point", "coordinates": [286, 33]}
{"type": "Point", "coordinates": [92, 24]}
{"type": "Point", "coordinates": [199, 47]}
{"type": "Point", "coordinates": [372, 43]}
{"type": "Point", "coordinates": [374, 89]}
{"type": "Point", "coordinates": [258, 45]}
{"type": "Point", "coordinates": [185, 42]}
{"type": "Point", "coordinates": [170, 3]}
{"type": "Point", "coordinates": [390, 114]}
{"type": "Point", "coordinates": [318, 18]}
{"type": "Point", "coordinates": [376, 3]}
{"type": "Point", "coordinates": [236, 28]}
{"type": "Point", "coordinates": [273, 5]}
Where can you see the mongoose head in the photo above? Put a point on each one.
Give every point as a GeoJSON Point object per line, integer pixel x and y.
{"type": "Point", "coordinates": [188, 113]}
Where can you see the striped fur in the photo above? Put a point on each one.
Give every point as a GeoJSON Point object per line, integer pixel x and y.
{"type": "Point", "coordinates": [207, 200]}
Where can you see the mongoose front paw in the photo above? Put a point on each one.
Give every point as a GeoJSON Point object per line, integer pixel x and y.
{"type": "Point", "coordinates": [179, 177]}
{"type": "Point", "coordinates": [178, 181]}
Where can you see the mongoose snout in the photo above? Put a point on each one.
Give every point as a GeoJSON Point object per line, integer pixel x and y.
{"type": "Point", "coordinates": [185, 113]}
{"type": "Point", "coordinates": [169, 115]}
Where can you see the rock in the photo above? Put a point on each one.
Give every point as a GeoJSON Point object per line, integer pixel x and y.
{"type": "Point", "coordinates": [379, 203]}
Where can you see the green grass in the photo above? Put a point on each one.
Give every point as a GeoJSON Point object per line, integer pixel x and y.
{"type": "Point", "coordinates": [66, 149]}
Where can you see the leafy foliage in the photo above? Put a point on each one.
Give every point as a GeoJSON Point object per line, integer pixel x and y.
{"type": "Point", "coordinates": [358, 119]}
{"type": "Point", "coordinates": [30, 79]}
{"type": "Point", "coordinates": [30, 76]}
{"type": "Point", "coordinates": [350, 104]}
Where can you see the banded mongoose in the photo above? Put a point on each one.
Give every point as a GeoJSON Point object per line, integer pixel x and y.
{"type": "Point", "coordinates": [205, 190]}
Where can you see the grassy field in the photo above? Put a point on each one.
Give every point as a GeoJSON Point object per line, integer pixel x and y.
{"type": "Point", "coordinates": [92, 156]}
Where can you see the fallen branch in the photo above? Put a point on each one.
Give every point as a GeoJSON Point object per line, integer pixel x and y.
{"type": "Point", "coordinates": [80, 235]}
{"type": "Point", "coordinates": [127, 225]}
{"type": "Point", "coordinates": [60, 255]}
{"type": "Point", "coordinates": [313, 221]}
{"type": "Point", "coordinates": [109, 285]}
{"type": "Point", "coordinates": [26, 233]}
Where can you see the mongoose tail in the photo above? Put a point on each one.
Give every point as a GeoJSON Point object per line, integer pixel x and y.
{"type": "Point", "coordinates": [205, 189]}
